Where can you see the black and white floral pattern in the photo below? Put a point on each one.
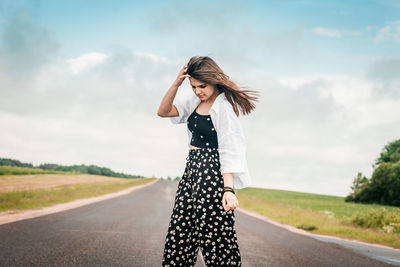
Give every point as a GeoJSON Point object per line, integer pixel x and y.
{"type": "Point", "coordinates": [198, 218]}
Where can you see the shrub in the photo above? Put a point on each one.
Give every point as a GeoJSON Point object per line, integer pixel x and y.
{"type": "Point", "coordinates": [359, 185]}
{"type": "Point", "coordinates": [307, 227]}
{"type": "Point", "coordinates": [381, 219]}
{"type": "Point", "coordinates": [384, 185]}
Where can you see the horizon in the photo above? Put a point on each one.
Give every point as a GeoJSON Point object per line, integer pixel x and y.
{"type": "Point", "coordinates": [161, 177]}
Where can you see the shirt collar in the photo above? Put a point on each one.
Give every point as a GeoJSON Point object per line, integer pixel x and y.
{"type": "Point", "coordinates": [215, 106]}
{"type": "Point", "coordinates": [217, 102]}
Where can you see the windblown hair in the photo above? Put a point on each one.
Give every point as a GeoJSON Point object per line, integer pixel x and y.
{"type": "Point", "coordinates": [206, 70]}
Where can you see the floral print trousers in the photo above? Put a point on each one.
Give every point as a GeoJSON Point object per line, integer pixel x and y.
{"type": "Point", "coordinates": [198, 218]}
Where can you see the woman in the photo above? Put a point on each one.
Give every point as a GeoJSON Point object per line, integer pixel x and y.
{"type": "Point", "coordinates": [203, 214]}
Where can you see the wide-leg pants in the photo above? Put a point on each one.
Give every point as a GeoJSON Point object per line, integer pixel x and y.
{"type": "Point", "coordinates": [198, 218]}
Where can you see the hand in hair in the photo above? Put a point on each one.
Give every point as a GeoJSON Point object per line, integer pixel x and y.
{"type": "Point", "coordinates": [181, 76]}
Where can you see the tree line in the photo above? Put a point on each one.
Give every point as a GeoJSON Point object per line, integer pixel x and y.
{"type": "Point", "coordinates": [384, 185]}
{"type": "Point", "coordinates": [89, 169]}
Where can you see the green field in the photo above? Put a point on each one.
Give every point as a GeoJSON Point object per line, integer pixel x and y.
{"type": "Point", "coordinates": [323, 214]}
{"type": "Point", "coordinates": [13, 170]}
{"type": "Point", "coordinates": [64, 188]}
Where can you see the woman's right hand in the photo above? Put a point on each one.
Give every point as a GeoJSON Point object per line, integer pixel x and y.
{"type": "Point", "coordinates": [181, 76]}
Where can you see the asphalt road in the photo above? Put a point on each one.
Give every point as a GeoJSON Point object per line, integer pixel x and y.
{"type": "Point", "coordinates": [130, 230]}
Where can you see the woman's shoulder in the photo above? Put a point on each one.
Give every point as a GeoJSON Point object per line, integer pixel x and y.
{"type": "Point", "coordinates": [227, 107]}
{"type": "Point", "coordinates": [190, 101]}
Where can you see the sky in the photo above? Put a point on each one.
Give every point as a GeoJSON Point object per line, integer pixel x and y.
{"type": "Point", "coordinates": [81, 83]}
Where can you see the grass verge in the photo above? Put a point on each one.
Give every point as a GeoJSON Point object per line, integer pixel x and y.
{"type": "Point", "coordinates": [322, 214]}
{"type": "Point", "coordinates": [30, 199]}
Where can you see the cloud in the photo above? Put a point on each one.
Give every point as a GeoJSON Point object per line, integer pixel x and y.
{"type": "Point", "coordinates": [390, 32]}
{"type": "Point", "coordinates": [85, 61]}
{"type": "Point", "coordinates": [26, 47]}
{"type": "Point", "coordinates": [318, 129]}
{"type": "Point", "coordinates": [153, 57]}
{"type": "Point", "coordinates": [122, 79]}
{"type": "Point", "coordinates": [94, 108]}
{"type": "Point", "coordinates": [384, 73]}
{"type": "Point", "coordinates": [181, 16]}
{"type": "Point", "coordinates": [309, 132]}
{"type": "Point", "coordinates": [334, 33]}
{"type": "Point", "coordinates": [219, 30]}
{"type": "Point", "coordinates": [327, 32]}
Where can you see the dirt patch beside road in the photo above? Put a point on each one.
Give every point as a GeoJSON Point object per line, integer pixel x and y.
{"type": "Point", "coordinates": [9, 183]}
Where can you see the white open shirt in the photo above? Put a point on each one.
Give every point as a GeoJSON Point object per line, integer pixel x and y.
{"type": "Point", "coordinates": [231, 140]}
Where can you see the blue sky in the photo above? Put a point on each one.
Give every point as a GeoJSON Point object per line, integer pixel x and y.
{"type": "Point", "coordinates": [184, 27]}
{"type": "Point", "coordinates": [81, 82]}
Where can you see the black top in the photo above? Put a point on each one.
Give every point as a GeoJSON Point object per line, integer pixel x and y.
{"type": "Point", "coordinates": [203, 131]}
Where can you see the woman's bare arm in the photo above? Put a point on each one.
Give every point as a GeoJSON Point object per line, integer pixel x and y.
{"type": "Point", "coordinates": [167, 109]}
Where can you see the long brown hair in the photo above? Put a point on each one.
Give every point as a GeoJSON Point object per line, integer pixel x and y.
{"type": "Point", "coordinates": [206, 70]}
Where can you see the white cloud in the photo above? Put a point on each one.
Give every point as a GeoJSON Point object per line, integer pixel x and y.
{"type": "Point", "coordinates": [345, 91]}
{"type": "Point", "coordinates": [355, 97]}
{"type": "Point", "coordinates": [318, 131]}
{"type": "Point", "coordinates": [153, 57]}
{"type": "Point", "coordinates": [390, 32]}
{"type": "Point", "coordinates": [309, 133]}
{"type": "Point", "coordinates": [85, 61]}
{"type": "Point", "coordinates": [334, 33]}
{"type": "Point", "coordinates": [327, 32]}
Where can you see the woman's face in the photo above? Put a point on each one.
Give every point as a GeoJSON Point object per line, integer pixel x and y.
{"type": "Point", "coordinates": [203, 90]}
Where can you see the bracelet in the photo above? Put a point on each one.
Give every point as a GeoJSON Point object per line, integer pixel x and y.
{"type": "Point", "coordinates": [229, 190]}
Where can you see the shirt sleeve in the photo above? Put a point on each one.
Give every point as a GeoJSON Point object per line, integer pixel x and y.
{"type": "Point", "coordinates": [231, 142]}
{"type": "Point", "coordinates": [183, 106]}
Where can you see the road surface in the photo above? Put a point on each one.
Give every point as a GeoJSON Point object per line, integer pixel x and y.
{"type": "Point", "coordinates": [129, 230]}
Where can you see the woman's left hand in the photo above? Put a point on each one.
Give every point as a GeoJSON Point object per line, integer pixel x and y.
{"type": "Point", "coordinates": [229, 201]}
